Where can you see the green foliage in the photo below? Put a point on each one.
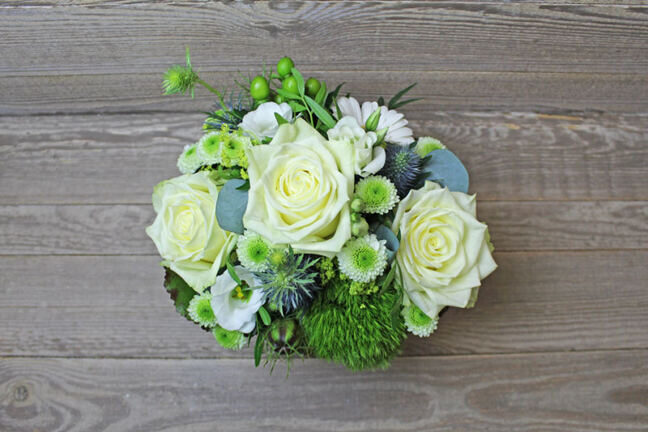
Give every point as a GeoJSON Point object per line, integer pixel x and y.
{"type": "Point", "coordinates": [358, 331]}
{"type": "Point", "coordinates": [444, 167]}
{"type": "Point", "coordinates": [395, 102]}
{"type": "Point", "coordinates": [231, 205]}
{"type": "Point", "coordinates": [179, 291]}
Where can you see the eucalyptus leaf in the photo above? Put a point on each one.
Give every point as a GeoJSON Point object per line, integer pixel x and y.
{"type": "Point", "coordinates": [231, 206]}
{"type": "Point", "coordinates": [444, 167]}
{"type": "Point", "coordinates": [392, 243]}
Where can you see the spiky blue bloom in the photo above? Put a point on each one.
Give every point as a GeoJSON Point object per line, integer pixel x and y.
{"type": "Point", "coordinates": [402, 167]}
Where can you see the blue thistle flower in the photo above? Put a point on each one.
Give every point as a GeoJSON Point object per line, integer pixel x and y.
{"type": "Point", "coordinates": [402, 167]}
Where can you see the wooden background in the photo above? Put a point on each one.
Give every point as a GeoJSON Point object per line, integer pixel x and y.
{"type": "Point", "coordinates": [545, 102]}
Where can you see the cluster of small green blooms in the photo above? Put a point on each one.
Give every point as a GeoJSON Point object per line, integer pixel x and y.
{"type": "Point", "coordinates": [220, 175]}
{"type": "Point", "coordinates": [233, 150]}
{"type": "Point", "coordinates": [425, 145]}
{"type": "Point", "coordinates": [377, 195]}
{"type": "Point", "coordinates": [200, 310]}
{"type": "Point", "coordinates": [179, 79]}
{"type": "Point", "coordinates": [189, 161]}
{"type": "Point", "coordinates": [253, 251]}
{"type": "Point", "coordinates": [244, 174]}
{"type": "Point", "coordinates": [363, 288]}
{"type": "Point", "coordinates": [209, 148]}
{"type": "Point", "coordinates": [327, 269]}
{"type": "Point", "coordinates": [417, 322]}
{"type": "Point", "coordinates": [402, 167]}
{"type": "Point", "coordinates": [229, 339]}
{"type": "Point", "coordinates": [358, 331]}
{"type": "Point", "coordinates": [363, 259]}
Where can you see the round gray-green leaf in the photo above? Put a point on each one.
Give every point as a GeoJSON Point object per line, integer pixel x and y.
{"type": "Point", "coordinates": [444, 167]}
{"type": "Point", "coordinates": [231, 206]}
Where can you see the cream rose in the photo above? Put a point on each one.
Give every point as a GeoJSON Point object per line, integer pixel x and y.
{"type": "Point", "coordinates": [300, 187]}
{"type": "Point", "coordinates": [443, 252]}
{"type": "Point", "coordinates": [186, 232]}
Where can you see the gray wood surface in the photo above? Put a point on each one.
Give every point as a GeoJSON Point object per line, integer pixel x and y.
{"type": "Point", "coordinates": [604, 391]}
{"type": "Point", "coordinates": [545, 102]}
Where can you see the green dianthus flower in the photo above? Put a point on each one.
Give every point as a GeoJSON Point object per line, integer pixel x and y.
{"type": "Point", "coordinates": [363, 259]}
{"type": "Point", "coordinates": [417, 322]}
{"type": "Point", "coordinates": [209, 148]}
{"type": "Point", "coordinates": [377, 193]}
{"type": "Point", "coordinates": [189, 161]}
{"type": "Point", "coordinates": [253, 251]}
{"type": "Point", "coordinates": [200, 310]}
{"type": "Point", "coordinates": [229, 339]}
{"type": "Point", "coordinates": [427, 144]}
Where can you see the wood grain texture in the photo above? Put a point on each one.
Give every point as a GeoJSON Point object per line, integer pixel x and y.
{"type": "Point", "coordinates": [116, 307]}
{"type": "Point", "coordinates": [605, 391]}
{"type": "Point", "coordinates": [510, 156]}
{"type": "Point", "coordinates": [95, 57]}
{"type": "Point", "coordinates": [514, 226]}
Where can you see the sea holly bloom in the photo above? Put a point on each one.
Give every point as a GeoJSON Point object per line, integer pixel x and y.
{"type": "Point", "coordinates": [443, 251]}
{"type": "Point", "coordinates": [363, 259]}
{"type": "Point", "coordinates": [234, 304]}
{"type": "Point", "coordinates": [398, 132]}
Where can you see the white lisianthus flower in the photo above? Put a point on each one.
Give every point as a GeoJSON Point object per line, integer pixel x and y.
{"type": "Point", "coordinates": [368, 159]}
{"type": "Point", "coordinates": [397, 133]}
{"type": "Point", "coordinates": [444, 251]}
{"type": "Point", "coordinates": [186, 231]}
{"type": "Point", "coordinates": [300, 189]}
{"type": "Point", "coordinates": [261, 122]}
{"type": "Point", "coordinates": [234, 305]}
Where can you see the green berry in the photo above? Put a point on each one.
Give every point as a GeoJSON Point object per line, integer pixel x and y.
{"type": "Point", "coordinates": [312, 87]}
{"type": "Point", "coordinates": [259, 88]}
{"type": "Point", "coordinates": [290, 85]}
{"type": "Point", "coordinates": [284, 66]}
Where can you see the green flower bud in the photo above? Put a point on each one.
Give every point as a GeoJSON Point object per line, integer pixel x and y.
{"type": "Point", "coordinates": [357, 205]}
{"type": "Point", "coordinates": [372, 122]}
{"type": "Point", "coordinates": [360, 228]}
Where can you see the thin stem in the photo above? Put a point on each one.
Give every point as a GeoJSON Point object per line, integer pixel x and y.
{"type": "Point", "coordinates": [213, 90]}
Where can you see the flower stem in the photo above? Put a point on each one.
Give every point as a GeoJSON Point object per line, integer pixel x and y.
{"type": "Point", "coordinates": [213, 90]}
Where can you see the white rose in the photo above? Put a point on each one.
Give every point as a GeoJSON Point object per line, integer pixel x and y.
{"type": "Point", "coordinates": [443, 252]}
{"type": "Point", "coordinates": [300, 187]}
{"type": "Point", "coordinates": [262, 122]}
{"type": "Point", "coordinates": [234, 305]}
{"type": "Point", "coordinates": [367, 159]}
{"type": "Point", "coordinates": [185, 229]}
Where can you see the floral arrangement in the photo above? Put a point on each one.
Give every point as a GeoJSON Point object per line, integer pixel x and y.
{"type": "Point", "coordinates": [307, 224]}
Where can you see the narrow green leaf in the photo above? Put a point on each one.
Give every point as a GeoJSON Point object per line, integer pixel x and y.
{"type": "Point", "coordinates": [321, 94]}
{"type": "Point", "coordinates": [333, 95]}
{"type": "Point", "coordinates": [265, 316]}
{"type": "Point", "coordinates": [320, 112]}
{"type": "Point", "coordinates": [245, 186]}
{"type": "Point", "coordinates": [399, 95]}
{"type": "Point", "coordinates": [287, 95]}
{"type": "Point", "coordinates": [300, 81]}
{"type": "Point", "coordinates": [232, 273]}
{"type": "Point", "coordinates": [258, 350]}
{"type": "Point", "coordinates": [405, 102]}
{"type": "Point", "coordinates": [280, 119]}
{"type": "Point", "coordinates": [296, 107]}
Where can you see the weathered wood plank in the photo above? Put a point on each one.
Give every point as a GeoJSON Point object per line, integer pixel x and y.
{"type": "Point", "coordinates": [602, 391]}
{"type": "Point", "coordinates": [510, 156]}
{"type": "Point", "coordinates": [514, 226]}
{"type": "Point", "coordinates": [116, 307]}
{"type": "Point", "coordinates": [443, 91]}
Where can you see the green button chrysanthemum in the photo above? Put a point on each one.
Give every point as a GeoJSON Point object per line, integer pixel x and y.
{"type": "Point", "coordinates": [417, 322]}
{"type": "Point", "coordinates": [209, 148]}
{"type": "Point", "coordinates": [253, 251]}
{"type": "Point", "coordinates": [233, 150]}
{"type": "Point", "coordinates": [229, 339]}
{"type": "Point", "coordinates": [200, 310]}
{"type": "Point", "coordinates": [425, 145]}
{"type": "Point", "coordinates": [189, 161]}
{"type": "Point", "coordinates": [377, 193]}
{"type": "Point", "coordinates": [363, 259]}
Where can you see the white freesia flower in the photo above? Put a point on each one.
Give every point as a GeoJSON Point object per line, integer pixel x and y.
{"type": "Point", "coordinates": [368, 159]}
{"type": "Point", "coordinates": [444, 251]}
{"type": "Point", "coordinates": [234, 305]}
{"type": "Point", "coordinates": [397, 133]}
{"type": "Point", "coordinates": [262, 122]}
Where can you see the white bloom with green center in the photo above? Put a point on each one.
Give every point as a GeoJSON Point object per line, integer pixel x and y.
{"type": "Point", "coordinates": [209, 148]}
{"type": "Point", "coordinates": [377, 193]}
{"type": "Point", "coordinates": [363, 259]}
{"type": "Point", "coordinates": [189, 161]}
{"type": "Point", "coordinates": [200, 310]}
{"type": "Point", "coordinates": [236, 305]}
{"type": "Point", "coordinates": [229, 339]}
{"type": "Point", "coordinates": [425, 145]}
{"type": "Point", "coordinates": [253, 251]}
{"type": "Point", "coordinates": [368, 159]}
{"type": "Point", "coordinates": [417, 322]}
{"type": "Point", "coordinates": [262, 123]}
{"type": "Point", "coordinates": [398, 132]}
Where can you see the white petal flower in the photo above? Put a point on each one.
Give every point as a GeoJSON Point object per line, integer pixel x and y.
{"type": "Point", "coordinates": [367, 160]}
{"type": "Point", "coordinates": [261, 123]}
{"type": "Point", "coordinates": [234, 305]}
{"type": "Point", "coordinates": [397, 133]}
